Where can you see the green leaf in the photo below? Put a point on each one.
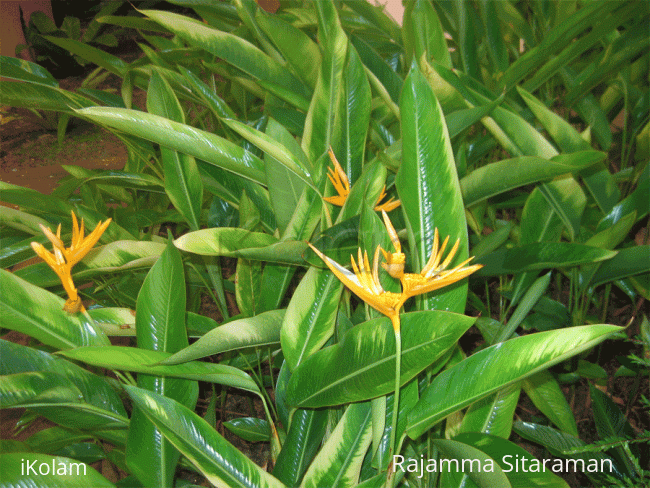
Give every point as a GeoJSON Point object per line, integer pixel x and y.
{"type": "Point", "coordinates": [540, 255]}
{"type": "Point", "coordinates": [458, 453]}
{"type": "Point", "coordinates": [339, 461]}
{"type": "Point", "coordinates": [303, 441]}
{"type": "Point", "coordinates": [362, 365]}
{"type": "Point", "coordinates": [39, 314]}
{"type": "Point", "coordinates": [21, 70]}
{"type": "Point", "coordinates": [160, 327]}
{"type": "Point", "coordinates": [258, 331]}
{"type": "Point", "coordinates": [498, 366]}
{"type": "Point", "coordinates": [507, 454]}
{"type": "Point", "coordinates": [321, 116]}
{"type": "Point", "coordinates": [493, 414]}
{"type": "Point", "coordinates": [272, 147]}
{"type": "Point", "coordinates": [301, 53]}
{"type": "Point", "coordinates": [42, 97]}
{"type": "Point", "coordinates": [218, 460]}
{"type": "Point", "coordinates": [250, 429]}
{"type": "Point", "coordinates": [121, 358]}
{"type": "Point", "coordinates": [182, 180]}
{"type": "Point", "coordinates": [628, 262]}
{"type": "Point", "coordinates": [545, 393]}
{"type": "Point", "coordinates": [568, 200]}
{"type": "Point", "coordinates": [15, 358]}
{"type": "Point", "coordinates": [48, 472]}
{"type": "Point", "coordinates": [487, 180]}
{"type": "Point", "coordinates": [427, 184]}
{"type": "Point", "coordinates": [110, 63]}
{"type": "Point", "coordinates": [562, 445]}
{"type": "Point", "coordinates": [232, 49]}
{"type": "Point", "coordinates": [311, 315]}
{"type": "Point", "coordinates": [349, 143]}
{"type": "Point", "coordinates": [182, 138]}
{"type": "Point", "coordinates": [223, 241]}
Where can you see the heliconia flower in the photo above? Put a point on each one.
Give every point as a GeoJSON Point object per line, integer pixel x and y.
{"type": "Point", "coordinates": [342, 186]}
{"type": "Point", "coordinates": [364, 282]}
{"type": "Point", "coordinates": [62, 259]}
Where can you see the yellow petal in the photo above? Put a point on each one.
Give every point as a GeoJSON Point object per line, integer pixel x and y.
{"type": "Point", "coordinates": [391, 232]}
{"type": "Point", "coordinates": [55, 240]}
{"type": "Point", "coordinates": [76, 255]}
{"type": "Point", "coordinates": [391, 204]}
{"type": "Point", "coordinates": [44, 254]}
{"type": "Point", "coordinates": [340, 181]}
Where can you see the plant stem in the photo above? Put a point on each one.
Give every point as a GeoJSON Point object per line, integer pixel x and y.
{"type": "Point", "coordinates": [398, 372]}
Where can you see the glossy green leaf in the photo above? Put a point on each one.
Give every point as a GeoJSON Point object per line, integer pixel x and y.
{"type": "Point", "coordinates": [22, 70]}
{"type": "Point", "coordinates": [628, 262]}
{"type": "Point", "coordinates": [487, 180]}
{"type": "Point", "coordinates": [568, 200]}
{"type": "Point", "coordinates": [34, 387]}
{"type": "Point", "coordinates": [43, 471]}
{"type": "Point", "coordinates": [122, 358]}
{"type": "Point", "coordinates": [232, 49]}
{"type": "Point", "coordinates": [427, 184]}
{"type": "Point", "coordinates": [301, 53]}
{"type": "Point", "coordinates": [182, 180]}
{"type": "Point", "coordinates": [635, 201]}
{"type": "Point", "coordinates": [506, 454]}
{"type": "Point", "coordinates": [321, 116]}
{"type": "Point", "coordinates": [182, 138]}
{"type": "Point", "coordinates": [250, 429]}
{"type": "Point", "coordinates": [540, 255]}
{"type": "Point", "coordinates": [56, 398]}
{"type": "Point", "coordinates": [303, 441]}
{"type": "Point", "coordinates": [94, 389]}
{"type": "Point", "coordinates": [39, 314]}
{"type": "Point", "coordinates": [272, 147]}
{"type": "Point", "coordinates": [565, 136]}
{"type": "Point", "coordinates": [160, 327]}
{"type": "Point", "coordinates": [285, 187]}
{"type": "Point", "coordinates": [545, 393]}
{"type": "Point", "coordinates": [223, 241]}
{"type": "Point", "coordinates": [563, 445]}
{"type": "Point", "coordinates": [499, 365]}
{"type": "Point", "coordinates": [258, 331]}
{"type": "Point", "coordinates": [218, 460]}
{"type": "Point", "coordinates": [311, 315]}
{"type": "Point", "coordinates": [42, 97]}
{"type": "Point", "coordinates": [362, 365]}
{"type": "Point", "coordinates": [493, 414]}
{"type": "Point", "coordinates": [339, 461]}
{"type": "Point", "coordinates": [354, 113]}
{"type": "Point", "coordinates": [482, 470]}
{"type": "Point", "coordinates": [248, 286]}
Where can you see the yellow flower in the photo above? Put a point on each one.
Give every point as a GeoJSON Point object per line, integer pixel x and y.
{"type": "Point", "coordinates": [364, 282]}
{"type": "Point", "coordinates": [63, 259]}
{"type": "Point", "coordinates": [342, 186]}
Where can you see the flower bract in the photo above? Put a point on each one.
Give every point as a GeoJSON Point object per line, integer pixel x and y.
{"type": "Point", "coordinates": [62, 259]}
{"type": "Point", "coordinates": [364, 280]}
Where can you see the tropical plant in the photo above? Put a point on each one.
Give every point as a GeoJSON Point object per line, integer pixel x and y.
{"type": "Point", "coordinates": [268, 142]}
